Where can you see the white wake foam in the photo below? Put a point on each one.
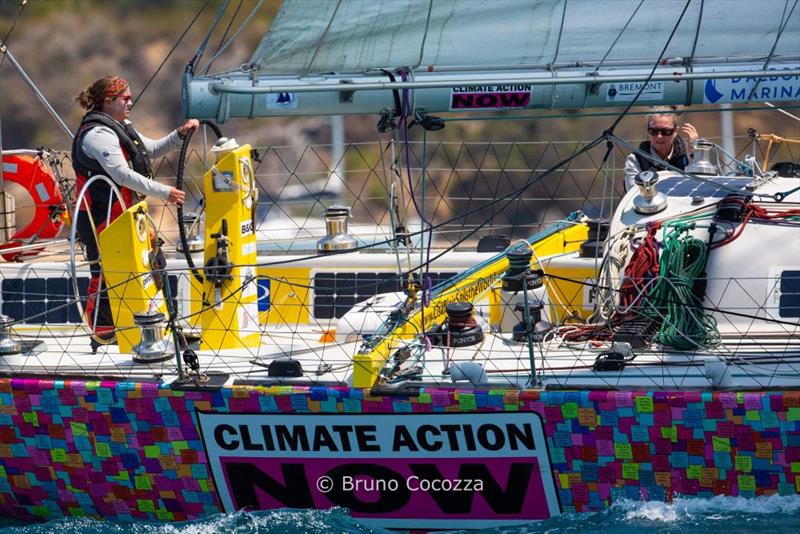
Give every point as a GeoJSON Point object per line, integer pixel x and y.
{"type": "Point", "coordinates": [715, 508]}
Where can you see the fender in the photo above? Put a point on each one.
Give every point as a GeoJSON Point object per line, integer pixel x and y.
{"type": "Point", "coordinates": [50, 212]}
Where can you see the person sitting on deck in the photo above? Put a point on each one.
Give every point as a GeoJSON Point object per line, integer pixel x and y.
{"type": "Point", "coordinates": [107, 144]}
{"type": "Point", "coordinates": [664, 143]}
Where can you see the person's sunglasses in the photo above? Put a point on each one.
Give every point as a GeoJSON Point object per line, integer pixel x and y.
{"type": "Point", "coordinates": [666, 132]}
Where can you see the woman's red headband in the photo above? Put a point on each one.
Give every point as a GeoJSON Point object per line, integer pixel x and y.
{"type": "Point", "coordinates": [116, 87]}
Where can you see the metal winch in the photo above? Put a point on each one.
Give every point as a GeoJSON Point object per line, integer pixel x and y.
{"type": "Point", "coordinates": [460, 329]}
{"type": "Point", "coordinates": [194, 243]}
{"type": "Point", "coordinates": [536, 326]}
{"type": "Point", "coordinates": [7, 345]}
{"type": "Point", "coordinates": [595, 241]}
{"type": "Point", "coordinates": [650, 200]}
{"type": "Point", "coordinates": [520, 285]}
{"type": "Point", "coordinates": [701, 158]}
{"type": "Point", "coordinates": [338, 238]}
{"type": "Point", "coordinates": [153, 347]}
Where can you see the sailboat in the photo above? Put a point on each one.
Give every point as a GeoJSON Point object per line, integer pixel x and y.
{"type": "Point", "coordinates": [643, 353]}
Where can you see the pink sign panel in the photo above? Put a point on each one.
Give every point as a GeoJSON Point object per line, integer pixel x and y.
{"type": "Point", "coordinates": [510, 96]}
{"type": "Point", "coordinates": [392, 488]}
{"type": "Point", "coordinates": [403, 471]}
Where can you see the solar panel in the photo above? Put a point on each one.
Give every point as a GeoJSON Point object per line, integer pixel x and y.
{"type": "Point", "coordinates": [336, 293]}
{"type": "Point", "coordinates": [45, 300]}
{"type": "Point", "coordinates": [720, 187]}
{"type": "Point", "coordinates": [789, 304]}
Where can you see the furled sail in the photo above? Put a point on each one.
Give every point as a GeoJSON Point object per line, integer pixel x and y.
{"type": "Point", "coordinates": [460, 55]}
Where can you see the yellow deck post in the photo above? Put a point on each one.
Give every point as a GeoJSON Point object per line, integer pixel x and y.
{"type": "Point", "coordinates": [125, 254]}
{"type": "Point", "coordinates": [230, 311]}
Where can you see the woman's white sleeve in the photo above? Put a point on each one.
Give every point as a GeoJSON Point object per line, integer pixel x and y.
{"type": "Point", "coordinates": [631, 170]}
{"type": "Point", "coordinates": [159, 147]}
{"type": "Point", "coordinates": [102, 144]}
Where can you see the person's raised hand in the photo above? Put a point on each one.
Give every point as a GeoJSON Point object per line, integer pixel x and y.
{"type": "Point", "coordinates": [690, 133]}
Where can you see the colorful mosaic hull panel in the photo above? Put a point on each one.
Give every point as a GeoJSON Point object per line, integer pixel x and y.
{"type": "Point", "coordinates": [126, 451]}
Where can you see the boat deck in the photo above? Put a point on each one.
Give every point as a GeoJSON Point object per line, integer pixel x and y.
{"type": "Point", "coordinates": [497, 362]}
{"type": "Point", "coordinates": [753, 343]}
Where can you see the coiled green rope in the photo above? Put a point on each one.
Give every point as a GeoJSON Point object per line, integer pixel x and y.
{"type": "Point", "coordinates": [685, 325]}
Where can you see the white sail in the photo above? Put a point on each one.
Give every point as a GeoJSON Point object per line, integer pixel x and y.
{"type": "Point", "coordinates": [310, 37]}
{"type": "Point", "coordinates": [505, 54]}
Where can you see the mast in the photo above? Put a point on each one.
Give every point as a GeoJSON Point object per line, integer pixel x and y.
{"type": "Point", "coordinates": [726, 128]}
{"type": "Point", "coordinates": [5, 231]}
{"type": "Point", "coordinates": [335, 180]}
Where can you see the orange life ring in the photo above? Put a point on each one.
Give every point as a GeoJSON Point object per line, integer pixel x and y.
{"type": "Point", "coordinates": [38, 180]}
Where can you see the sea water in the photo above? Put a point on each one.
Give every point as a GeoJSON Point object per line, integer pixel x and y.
{"type": "Point", "coordinates": [729, 515]}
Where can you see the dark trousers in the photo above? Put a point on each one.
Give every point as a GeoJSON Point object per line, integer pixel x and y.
{"type": "Point", "coordinates": [95, 300]}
